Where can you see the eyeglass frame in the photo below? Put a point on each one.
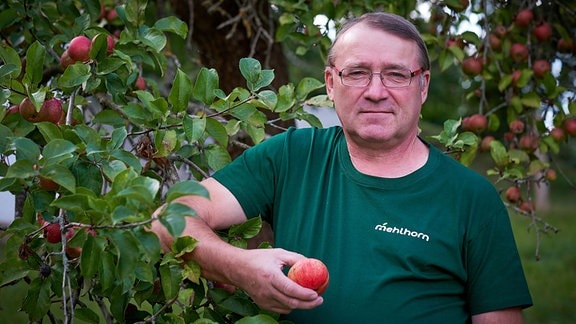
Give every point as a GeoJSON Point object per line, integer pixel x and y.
{"type": "Point", "coordinates": [412, 75]}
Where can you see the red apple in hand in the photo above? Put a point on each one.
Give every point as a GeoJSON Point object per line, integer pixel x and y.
{"type": "Point", "coordinates": [310, 273]}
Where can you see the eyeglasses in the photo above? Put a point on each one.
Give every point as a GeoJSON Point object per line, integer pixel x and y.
{"type": "Point", "coordinates": [390, 78]}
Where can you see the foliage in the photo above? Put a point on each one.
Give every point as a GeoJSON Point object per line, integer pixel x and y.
{"type": "Point", "coordinates": [136, 131]}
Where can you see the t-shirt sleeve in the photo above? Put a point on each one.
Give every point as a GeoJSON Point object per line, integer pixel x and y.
{"type": "Point", "coordinates": [251, 177]}
{"type": "Point", "coordinates": [495, 275]}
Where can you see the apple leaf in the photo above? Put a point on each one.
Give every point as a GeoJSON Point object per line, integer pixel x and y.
{"type": "Point", "coordinates": [205, 86]}
{"type": "Point", "coordinates": [180, 93]}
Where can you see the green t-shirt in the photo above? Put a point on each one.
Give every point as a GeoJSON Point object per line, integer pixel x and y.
{"type": "Point", "coordinates": [434, 246]}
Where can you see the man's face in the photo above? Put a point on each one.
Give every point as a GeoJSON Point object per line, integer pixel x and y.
{"type": "Point", "coordinates": [375, 115]}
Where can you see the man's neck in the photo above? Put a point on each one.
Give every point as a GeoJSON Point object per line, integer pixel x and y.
{"type": "Point", "coordinates": [389, 162]}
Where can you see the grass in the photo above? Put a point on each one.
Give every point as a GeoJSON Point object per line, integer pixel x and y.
{"type": "Point", "coordinates": [552, 278]}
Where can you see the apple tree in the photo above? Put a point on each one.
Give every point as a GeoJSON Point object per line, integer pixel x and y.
{"type": "Point", "coordinates": [102, 126]}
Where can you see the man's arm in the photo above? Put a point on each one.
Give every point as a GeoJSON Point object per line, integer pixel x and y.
{"type": "Point", "coordinates": [506, 316]}
{"type": "Point", "coordinates": [257, 271]}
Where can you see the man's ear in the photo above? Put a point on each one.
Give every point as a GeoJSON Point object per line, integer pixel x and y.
{"type": "Point", "coordinates": [329, 81]}
{"type": "Point", "coordinates": [424, 84]}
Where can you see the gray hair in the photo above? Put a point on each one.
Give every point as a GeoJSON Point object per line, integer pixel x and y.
{"type": "Point", "coordinates": [389, 23]}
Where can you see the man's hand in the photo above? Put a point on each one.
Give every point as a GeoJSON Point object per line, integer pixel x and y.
{"type": "Point", "coordinates": [259, 273]}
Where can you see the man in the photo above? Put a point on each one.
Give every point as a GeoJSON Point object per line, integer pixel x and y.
{"type": "Point", "coordinates": [408, 234]}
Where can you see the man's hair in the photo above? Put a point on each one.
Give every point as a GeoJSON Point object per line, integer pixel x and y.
{"type": "Point", "coordinates": [389, 23]}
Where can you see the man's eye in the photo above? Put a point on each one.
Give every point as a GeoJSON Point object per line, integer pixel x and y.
{"type": "Point", "coordinates": [357, 73]}
{"type": "Point", "coordinates": [396, 74]}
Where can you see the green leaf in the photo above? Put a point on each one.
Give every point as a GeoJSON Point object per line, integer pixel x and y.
{"type": "Point", "coordinates": [256, 78]}
{"type": "Point", "coordinates": [217, 131]}
{"type": "Point", "coordinates": [250, 69]}
{"type": "Point", "coordinates": [157, 106]}
{"type": "Point", "coordinates": [76, 202]}
{"type": "Point", "coordinates": [248, 229]}
{"type": "Point", "coordinates": [11, 59]}
{"type": "Point", "coordinates": [49, 131]}
{"type": "Point", "coordinates": [217, 156]}
{"type": "Point", "coordinates": [499, 154]}
{"type": "Point", "coordinates": [192, 271]}
{"type": "Point", "coordinates": [128, 158]}
{"type": "Point", "coordinates": [257, 319]}
{"type": "Point", "coordinates": [268, 98]}
{"type": "Point", "coordinates": [37, 301]}
{"type": "Point", "coordinates": [183, 245]}
{"type": "Point", "coordinates": [87, 315]}
{"type": "Point", "coordinates": [173, 217]}
{"type": "Point", "coordinates": [99, 48]}
{"type": "Point", "coordinates": [181, 92]}
{"type": "Point", "coordinates": [153, 38]}
{"type": "Point", "coordinates": [58, 151]}
{"type": "Point", "coordinates": [193, 128]}
{"type": "Point", "coordinates": [205, 86]}
{"type": "Point", "coordinates": [90, 261]}
{"type": "Point", "coordinates": [170, 277]}
{"type": "Point", "coordinates": [256, 132]}
{"type": "Point", "coordinates": [61, 175]}
{"type": "Point", "coordinates": [22, 169]}
{"type": "Point", "coordinates": [150, 243]}
{"type": "Point", "coordinates": [185, 188]}
{"type": "Point", "coordinates": [457, 52]}
{"type": "Point", "coordinates": [239, 305]}
{"type": "Point", "coordinates": [165, 142]}
{"type": "Point", "coordinates": [173, 25]}
{"type": "Point", "coordinates": [285, 98]}
{"type": "Point", "coordinates": [88, 175]}
{"type": "Point", "coordinates": [306, 86]}
{"type": "Point", "coordinates": [107, 270]}
{"type": "Point", "coordinates": [5, 134]}
{"type": "Point", "coordinates": [34, 64]}
{"type": "Point", "coordinates": [127, 247]}
{"type": "Point", "coordinates": [26, 149]}
{"type": "Point", "coordinates": [8, 17]}
{"type": "Point", "coordinates": [531, 99]}
{"type": "Point", "coordinates": [75, 75]}
{"type": "Point", "coordinates": [121, 213]}
{"type": "Point", "coordinates": [117, 139]}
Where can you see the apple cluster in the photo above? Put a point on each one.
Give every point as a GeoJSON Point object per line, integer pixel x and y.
{"type": "Point", "coordinates": [79, 50]}
{"type": "Point", "coordinates": [53, 234]}
{"type": "Point", "coordinates": [514, 196]}
{"type": "Point", "coordinates": [50, 111]}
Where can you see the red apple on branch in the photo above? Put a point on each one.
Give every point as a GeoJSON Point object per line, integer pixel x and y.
{"type": "Point", "coordinates": [517, 126]}
{"type": "Point", "coordinates": [570, 126]}
{"type": "Point", "coordinates": [79, 49]}
{"type": "Point", "coordinates": [524, 18]}
{"type": "Point", "coordinates": [519, 52]}
{"type": "Point", "coordinates": [472, 66]}
{"type": "Point", "coordinates": [513, 194]}
{"type": "Point", "coordinates": [542, 32]}
{"type": "Point", "coordinates": [476, 123]}
{"type": "Point", "coordinates": [540, 68]}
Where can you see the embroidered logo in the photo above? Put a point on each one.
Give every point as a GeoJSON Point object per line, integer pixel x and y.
{"type": "Point", "coordinates": [401, 231]}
